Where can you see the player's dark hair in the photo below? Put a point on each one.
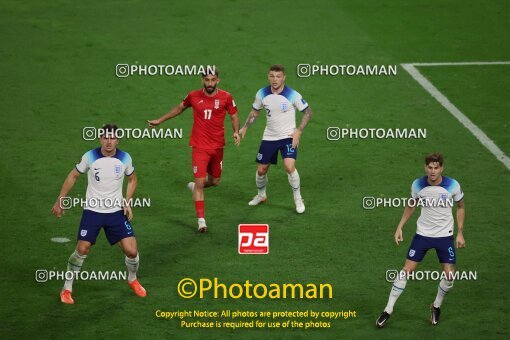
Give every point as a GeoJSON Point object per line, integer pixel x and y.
{"type": "Point", "coordinates": [109, 129]}
{"type": "Point", "coordinates": [435, 157]}
{"type": "Point", "coordinates": [277, 68]}
{"type": "Point", "coordinates": [211, 71]}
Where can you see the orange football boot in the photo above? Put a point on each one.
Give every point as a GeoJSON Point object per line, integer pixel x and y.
{"type": "Point", "coordinates": [137, 288]}
{"type": "Point", "coordinates": [65, 297]}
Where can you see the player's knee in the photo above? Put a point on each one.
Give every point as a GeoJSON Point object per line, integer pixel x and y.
{"type": "Point", "coordinates": [408, 269]}
{"type": "Point", "coordinates": [290, 168]}
{"type": "Point", "coordinates": [215, 182]}
{"type": "Point", "coordinates": [83, 249]}
{"type": "Point", "coordinates": [199, 185]}
{"type": "Point", "coordinates": [131, 253]}
{"type": "Point", "coordinates": [289, 164]}
{"type": "Point", "coordinates": [262, 170]}
{"type": "Point", "coordinates": [449, 276]}
{"type": "Point", "coordinates": [130, 249]}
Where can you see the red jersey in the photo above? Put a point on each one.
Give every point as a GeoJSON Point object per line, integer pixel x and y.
{"type": "Point", "coordinates": [209, 113]}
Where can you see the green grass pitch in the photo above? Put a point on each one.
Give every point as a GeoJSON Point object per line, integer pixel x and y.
{"type": "Point", "coordinates": [57, 71]}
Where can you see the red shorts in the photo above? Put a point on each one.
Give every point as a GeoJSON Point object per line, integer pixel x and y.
{"type": "Point", "coordinates": [206, 162]}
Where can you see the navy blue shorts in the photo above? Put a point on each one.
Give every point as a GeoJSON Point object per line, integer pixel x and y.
{"type": "Point", "coordinates": [268, 151]}
{"type": "Point", "coordinates": [444, 247]}
{"type": "Point", "coordinates": [116, 226]}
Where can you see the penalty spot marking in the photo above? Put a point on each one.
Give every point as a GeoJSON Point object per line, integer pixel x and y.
{"type": "Point", "coordinates": [60, 239]}
{"type": "Point", "coordinates": [445, 102]}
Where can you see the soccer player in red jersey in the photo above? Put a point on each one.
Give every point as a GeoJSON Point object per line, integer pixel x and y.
{"type": "Point", "coordinates": [210, 106]}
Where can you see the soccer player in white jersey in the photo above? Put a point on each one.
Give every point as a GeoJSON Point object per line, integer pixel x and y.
{"type": "Point", "coordinates": [280, 134]}
{"type": "Point", "coordinates": [106, 167]}
{"type": "Point", "coordinates": [435, 194]}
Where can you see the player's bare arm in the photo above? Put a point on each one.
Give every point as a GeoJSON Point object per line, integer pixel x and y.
{"type": "Point", "coordinates": [130, 192]}
{"type": "Point", "coordinates": [460, 225]}
{"type": "Point", "coordinates": [307, 115]}
{"type": "Point", "coordinates": [249, 121]}
{"type": "Point", "coordinates": [408, 212]}
{"type": "Point", "coordinates": [57, 209]}
{"type": "Point", "coordinates": [174, 112]}
{"type": "Point", "coordinates": [234, 119]}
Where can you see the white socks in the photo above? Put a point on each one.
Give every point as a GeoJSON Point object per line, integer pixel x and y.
{"type": "Point", "coordinates": [76, 261]}
{"type": "Point", "coordinates": [400, 284]}
{"type": "Point", "coordinates": [396, 290]}
{"type": "Point", "coordinates": [74, 265]}
{"type": "Point", "coordinates": [295, 184]}
{"type": "Point", "coordinates": [442, 290]}
{"type": "Point", "coordinates": [261, 182]}
{"type": "Point", "coordinates": [132, 266]}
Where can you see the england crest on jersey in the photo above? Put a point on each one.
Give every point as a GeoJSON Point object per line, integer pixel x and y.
{"type": "Point", "coordinates": [412, 252]}
{"type": "Point", "coordinates": [83, 233]}
{"type": "Point", "coordinates": [284, 106]}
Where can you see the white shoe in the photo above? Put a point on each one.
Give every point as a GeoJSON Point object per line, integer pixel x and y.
{"type": "Point", "coordinates": [300, 205]}
{"type": "Point", "coordinates": [202, 228]}
{"type": "Point", "coordinates": [257, 200]}
{"type": "Point", "coordinates": [191, 186]}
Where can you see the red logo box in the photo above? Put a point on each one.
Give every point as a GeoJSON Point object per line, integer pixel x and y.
{"type": "Point", "coordinates": [253, 239]}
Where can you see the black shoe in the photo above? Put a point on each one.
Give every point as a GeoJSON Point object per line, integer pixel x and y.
{"type": "Point", "coordinates": [434, 314]}
{"type": "Point", "coordinates": [381, 321]}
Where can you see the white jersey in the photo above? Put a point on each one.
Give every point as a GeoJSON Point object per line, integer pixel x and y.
{"type": "Point", "coordinates": [436, 219]}
{"type": "Point", "coordinates": [105, 178]}
{"type": "Point", "coordinates": [280, 111]}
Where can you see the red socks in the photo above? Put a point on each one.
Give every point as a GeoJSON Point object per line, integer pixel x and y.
{"type": "Point", "coordinates": [200, 207]}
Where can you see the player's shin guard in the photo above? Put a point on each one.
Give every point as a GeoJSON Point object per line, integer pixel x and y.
{"type": "Point", "coordinates": [261, 182]}
{"type": "Point", "coordinates": [398, 287]}
{"type": "Point", "coordinates": [73, 265]}
{"type": "Point", "coordinates": [132, 267]}
{"type": "Point", "coordinates": [200, 208]}
{"type": "Point", "coordinates": [442, 290]}
{"type": "Point", "coordinates": [295, 182]}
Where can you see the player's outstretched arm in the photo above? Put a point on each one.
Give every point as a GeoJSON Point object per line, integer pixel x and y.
{"type": "Point", "coordinates": [461, 243]}
{"type": "Point", "coordinates": [234, 119]}
{"type": "Point", "coordinates": [130, 192]}
{"type": "Point", "coordinates": [57, 209]}
{"type": "Point", "coordinates": [296, 135]}
{"type": "Point", "coordinates": [175, 111]}
{"type": "Point", "coordinates": [249, 121]}
{"type": "Point", "coordinates": [408, 212]}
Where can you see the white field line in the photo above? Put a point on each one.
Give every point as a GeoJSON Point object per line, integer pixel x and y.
{"type": "Point", "coordinates": [467, 63]}
{"type": "Point", "coordinates": [475, 130]}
